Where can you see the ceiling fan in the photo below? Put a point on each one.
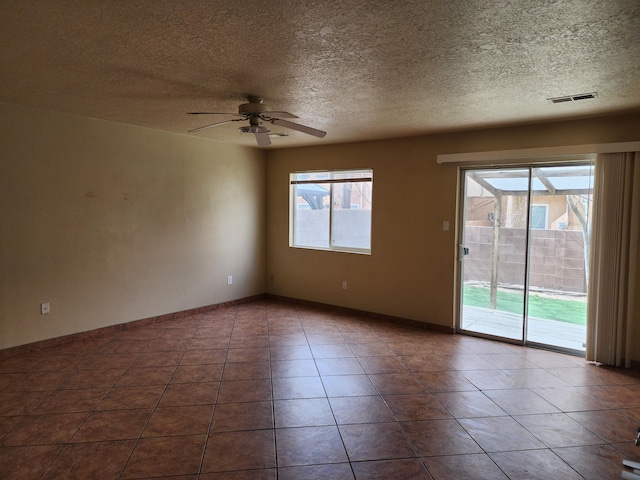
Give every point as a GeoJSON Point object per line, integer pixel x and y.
{"type": "Point", "coordinates": [257, 112]}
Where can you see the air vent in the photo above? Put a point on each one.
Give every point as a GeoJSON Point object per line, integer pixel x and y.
{"type": "Point", "coordinates": [573, 98]}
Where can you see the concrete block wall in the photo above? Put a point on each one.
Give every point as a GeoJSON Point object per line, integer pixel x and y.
{"type": "Point", "coordinates": [556, 260]}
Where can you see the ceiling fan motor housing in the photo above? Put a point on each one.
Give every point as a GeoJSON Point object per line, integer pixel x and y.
{"type": "Point", "coordinates": [253, 109]}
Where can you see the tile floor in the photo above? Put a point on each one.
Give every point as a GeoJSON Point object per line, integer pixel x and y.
{"type": "Point", "coordinates": [272, 391]}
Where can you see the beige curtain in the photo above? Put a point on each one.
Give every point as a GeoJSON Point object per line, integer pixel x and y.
{"type": "Point", "coordinates": [613, 311]}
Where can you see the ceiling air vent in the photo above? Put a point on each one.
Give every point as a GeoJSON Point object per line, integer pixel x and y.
{"type": "Point", "coordinates": [573, 98]}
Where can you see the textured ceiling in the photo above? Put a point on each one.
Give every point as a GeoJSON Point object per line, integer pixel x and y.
{"type": "Point", "coordinates": [359, 69]}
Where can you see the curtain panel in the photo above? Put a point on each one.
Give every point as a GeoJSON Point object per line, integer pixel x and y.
{"type": "Point", "coordinates": [613, 310]}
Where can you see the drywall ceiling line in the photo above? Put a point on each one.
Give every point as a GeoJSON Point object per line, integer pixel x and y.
{"type": "Point", "coordinates": [539, 152]}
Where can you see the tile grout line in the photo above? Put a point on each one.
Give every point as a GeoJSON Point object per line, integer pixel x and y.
{"type": "Point", "coordinates": [146, 424]}
{"type": "Point", "coordinates": [215, 400]}
{"type": "Point", "coordinates": [63, 446]}
{"type": "Point", "coordinates": [344, 446]}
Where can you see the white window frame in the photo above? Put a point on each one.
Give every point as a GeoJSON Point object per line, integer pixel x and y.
{"type": "Point", "coordinates": [546, 215]}
{"type": "Point", "coordinates": [331, 177]}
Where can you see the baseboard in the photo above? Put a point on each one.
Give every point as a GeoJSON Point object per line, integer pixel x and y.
{"type": "Point", "coordinates": [110, 330]}
{"type": "Point", "coordinates": [372, 315]}
{"type": "Point", "coordinates": [100, 332]}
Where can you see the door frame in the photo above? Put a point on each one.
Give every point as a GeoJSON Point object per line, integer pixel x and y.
{"type": "Point", "coordinates": [460, 218]}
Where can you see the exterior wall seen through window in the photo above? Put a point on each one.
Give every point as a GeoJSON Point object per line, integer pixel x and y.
{"type": "Point", "coordinates": [331, 210]}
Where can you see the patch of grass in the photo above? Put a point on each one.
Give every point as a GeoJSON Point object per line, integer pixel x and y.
{"type": "Point", "coordinates": [562, 310]}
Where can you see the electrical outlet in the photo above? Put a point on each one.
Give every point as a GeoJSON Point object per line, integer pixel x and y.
{"type": "Point", "coordinates": [45, 308]}
{"type": "Point", "coordinates": [445, 226]}
{"type": "Point", "coordinates": [344, 284]}
{"type": "Point", "coordinates": [230, 280]}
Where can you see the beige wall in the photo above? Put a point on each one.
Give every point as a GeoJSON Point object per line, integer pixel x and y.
{"type": "Point", "coordinates": [411, 271]}
{"type": "Point", "coordinates": [407, 238]}
{"type": "Point", "coordinates": [112, 223]}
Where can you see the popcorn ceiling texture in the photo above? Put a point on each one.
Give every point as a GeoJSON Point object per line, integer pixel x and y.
{"type": "Point", "coordinates": [359, 69]}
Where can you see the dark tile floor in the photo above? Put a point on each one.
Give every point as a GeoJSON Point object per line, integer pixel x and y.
{"type": "Point", "coordinates": [274, 391]}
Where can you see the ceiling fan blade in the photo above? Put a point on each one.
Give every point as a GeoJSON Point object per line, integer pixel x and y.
{"type": "Point", "coordinates": [216, 113]}
{"type": "Point", "coordinates": [277, 114]}
{"type": "Point", "coordinates": [301, 128]}
{"type": "Point", "coordinates": [214, 125]}
{"type": "Point", "coordinates": [263, 139]}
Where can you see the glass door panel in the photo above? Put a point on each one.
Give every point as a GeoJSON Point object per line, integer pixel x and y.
{"type": "Point", "coordinates": [493, 252]}
{"type": "Point", "coordinates": [559, 258]}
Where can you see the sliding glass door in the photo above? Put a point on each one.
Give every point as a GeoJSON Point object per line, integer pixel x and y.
{"type": "Point", "coordinates": [559, 238]}
{"type": "Point", "coordinates": [495, 243]}
{"type": "Point", "coordinates": [524, 254]}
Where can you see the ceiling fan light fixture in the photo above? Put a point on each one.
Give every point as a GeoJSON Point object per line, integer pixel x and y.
{"type": "Point", "coordinates": [254, 129]}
